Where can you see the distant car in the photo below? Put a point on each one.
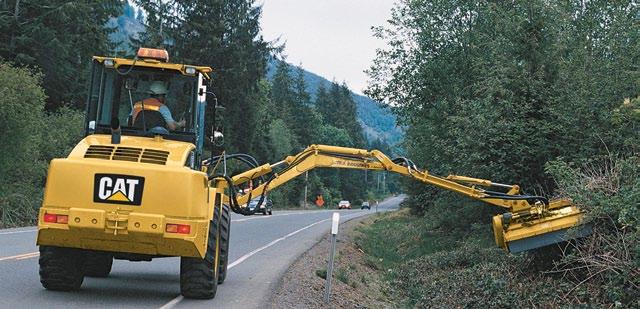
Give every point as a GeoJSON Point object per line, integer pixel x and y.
{"type": "Point", "coordinates": [344, 205]}
{"type": "Point", "coordinates": [365, 205]}
{"type": "Point", "coordinates": [265, 208]}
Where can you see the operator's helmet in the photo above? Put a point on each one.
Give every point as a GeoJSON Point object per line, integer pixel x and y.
{"type": "Point", "coordinates": [158, 87]}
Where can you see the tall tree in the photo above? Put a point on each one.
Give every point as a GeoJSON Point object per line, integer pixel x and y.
{"type": "Point", "coordinates": [497, 89]}
{"type": "Point", "coordinates": [224, 34]}
{"type": "Point", "coordinates": [59, 38]}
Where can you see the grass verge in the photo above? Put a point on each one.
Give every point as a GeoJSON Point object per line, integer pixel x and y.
{"type": "Point", "coordinates": [428, 267]}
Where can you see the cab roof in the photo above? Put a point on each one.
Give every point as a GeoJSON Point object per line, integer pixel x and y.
{"type": "Point", "coordinates": [153, 63]}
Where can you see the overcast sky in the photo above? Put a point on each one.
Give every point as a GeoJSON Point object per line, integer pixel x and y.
{"type": "Point", "coordinates": [331, 38]}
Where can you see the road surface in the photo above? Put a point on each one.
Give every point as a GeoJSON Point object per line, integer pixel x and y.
{"type": "Point", "coordinates": [261, 250]}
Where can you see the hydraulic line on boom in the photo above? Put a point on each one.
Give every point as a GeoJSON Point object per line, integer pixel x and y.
{"type": "Point", "coordinates": [530, 221]}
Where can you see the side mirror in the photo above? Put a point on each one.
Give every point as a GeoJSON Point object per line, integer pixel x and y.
{"type": "Point", "coordinates": [217, 139]}
{"type": "Point", "coordinates": [216, 106]}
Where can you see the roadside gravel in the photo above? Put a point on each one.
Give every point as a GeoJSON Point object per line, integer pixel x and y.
{"type": "Point", "coordinates": [355, 283]}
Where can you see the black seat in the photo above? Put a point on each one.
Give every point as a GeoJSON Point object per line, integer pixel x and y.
{"type": "Point", "coordinates": [151, 119]}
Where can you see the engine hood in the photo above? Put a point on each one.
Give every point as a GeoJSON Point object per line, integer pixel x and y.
{"type": "Point", "coordinates": [134, 149]}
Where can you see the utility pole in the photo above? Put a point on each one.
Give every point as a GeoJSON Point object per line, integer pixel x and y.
{"type": "Point", "coordinates": [384, 184]}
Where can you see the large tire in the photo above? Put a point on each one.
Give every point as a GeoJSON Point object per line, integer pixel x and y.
{"type": "Point", "coordinates": [97, 264]}
{"type": "Point", "coordinates": [61, 269]}
{"type": "Point", "coordinates": [199, 277]}
{"type": "Point", "coordinates": [225, 232]}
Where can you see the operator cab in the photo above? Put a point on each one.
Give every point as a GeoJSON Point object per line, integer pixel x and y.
{"type": "Point", "coordinates": [140, 95]}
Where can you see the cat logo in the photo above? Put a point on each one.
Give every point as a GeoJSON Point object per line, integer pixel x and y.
{"type": "Point", "coordinates": [118, 189]}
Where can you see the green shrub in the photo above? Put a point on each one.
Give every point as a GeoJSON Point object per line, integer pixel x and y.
{"type": "Point", "coordinates": [30, 138]}
{"type": "Point", "coordinates": [608, 260]}
{"type": "Point", "coordinates": [427, 268]}
{"type": "Point", "coordinates": [62, 131]}
{"type": "Point", "coordinates": [449, 212]}
{"type": "Point", "coordinates": [342, 275]}
{"type": "Point", "coordinates": [322, 273]}
{"type": "Point", "coordinates": [21, 117]}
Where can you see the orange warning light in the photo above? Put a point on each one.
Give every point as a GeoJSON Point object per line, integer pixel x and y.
{"type": "Point", "coordinates": [152, 53]}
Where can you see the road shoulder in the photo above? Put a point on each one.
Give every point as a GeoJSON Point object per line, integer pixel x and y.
{"type": "Point", "coordinates": [355, 283]}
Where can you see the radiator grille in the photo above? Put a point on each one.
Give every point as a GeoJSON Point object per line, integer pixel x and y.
{"type": "Point", "coordinates": [130, 154]}
{"type": "Point", "coordinates": [154, 156]}
{"type": "Point", "coordinates": [99, 152]}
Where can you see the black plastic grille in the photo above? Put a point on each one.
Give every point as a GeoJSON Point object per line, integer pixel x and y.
{"type": "Point", "coordinates": [130, 154]}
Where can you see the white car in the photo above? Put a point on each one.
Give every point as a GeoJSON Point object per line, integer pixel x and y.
{"type": "Point", "coordinates": [344, 205]}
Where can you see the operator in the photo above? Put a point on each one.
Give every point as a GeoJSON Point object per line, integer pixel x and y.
{"type": "Point", "coordinates": [156, 102]}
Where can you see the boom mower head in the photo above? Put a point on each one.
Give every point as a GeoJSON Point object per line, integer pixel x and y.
{"type": "Point", "coordinates": [530, 231]}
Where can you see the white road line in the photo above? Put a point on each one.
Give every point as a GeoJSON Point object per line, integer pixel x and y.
{"type": "Point", "coordinates": [248, 255]}
{"type": "Point", "coordinates": [173, 302]}
{"type": "Point", "coordinates": [18, 232]}
{"type": "Point", "coordinates": [176, 300]}
{"type": "Point", "coordinates": [20, 256]}
{"type": "Point", "coordinates": [35, 254]}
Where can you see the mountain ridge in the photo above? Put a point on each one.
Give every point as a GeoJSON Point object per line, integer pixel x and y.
{"type": "Point", "coordinates": [376, 120]}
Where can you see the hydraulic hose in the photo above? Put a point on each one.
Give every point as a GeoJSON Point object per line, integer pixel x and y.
{"type": "Point", "coordinates": [233, 200]}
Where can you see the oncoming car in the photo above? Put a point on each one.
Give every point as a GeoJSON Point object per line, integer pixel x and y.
{"type": "Point", "coordinates": [344, 205]}
{"type": "Point", "coordinates": [265, 208]}
{"type": "Point", "coordinates": [365, 205]}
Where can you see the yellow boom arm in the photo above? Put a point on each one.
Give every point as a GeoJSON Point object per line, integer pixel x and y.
{"type": "Point", "coordinates": [531, 221]}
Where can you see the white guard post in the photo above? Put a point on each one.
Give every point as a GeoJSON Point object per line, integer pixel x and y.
{"type": "Point", "coordinates": [334, 232]}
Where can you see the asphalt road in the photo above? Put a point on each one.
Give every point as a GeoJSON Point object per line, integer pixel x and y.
{"type": "Point", "coordinates": [261, 250]}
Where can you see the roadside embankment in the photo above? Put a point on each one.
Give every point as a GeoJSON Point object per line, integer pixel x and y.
{"type": "Point", "coordinates": [401, 260]}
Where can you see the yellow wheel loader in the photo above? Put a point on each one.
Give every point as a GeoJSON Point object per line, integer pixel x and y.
{"type": "Point", "coordinates": [138, 186]}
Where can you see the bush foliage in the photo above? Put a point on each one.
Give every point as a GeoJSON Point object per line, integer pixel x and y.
{"type": "Point", "coordinates": [428, 265]}
{"type": "Point", "coordinates": [609, 259]}
{"type": "Point", "coordinates": [31, 137]}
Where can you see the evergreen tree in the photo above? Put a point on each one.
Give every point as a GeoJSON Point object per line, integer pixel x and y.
{"type": "Point", "coordinates": [59, 38]}
{"type": "Point", "coordinates": [307, 121]}
{"type": "Point", "coordinates": [226, 36]}
{"type": "Point", "coordinates": [140, 16]}
{"type": "Point", "coordinates": [324, 104]}
{"type": "Point", "coordinates": [284, 97]}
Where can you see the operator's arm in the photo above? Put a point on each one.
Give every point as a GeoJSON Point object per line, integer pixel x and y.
{"type": "Point", "coordinates": [171, 124]}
